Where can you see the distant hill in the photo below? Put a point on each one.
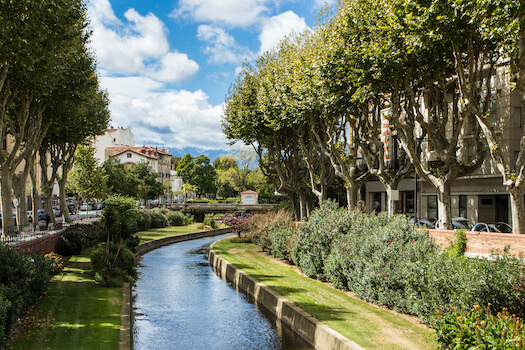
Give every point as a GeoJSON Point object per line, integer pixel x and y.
{"type": "Point", "coordinates": [194, 152]}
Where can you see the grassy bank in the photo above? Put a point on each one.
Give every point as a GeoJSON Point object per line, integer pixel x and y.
{"type": "Point", "coordinates": [369, 326]}
{"type": "Point", "coordinates": [77, 314]}
{"type": "Point", "coordinates": [74, 314]}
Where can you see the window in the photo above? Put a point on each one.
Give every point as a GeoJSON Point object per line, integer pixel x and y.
{"type": "Point", "coordinates": [432, 207]}
{"type": "Point", "coordinates": [128, 155]}
{"type": "Point", "coordinates": [486, 201]}
{"type": "Point", "coordinates": [462, 206]}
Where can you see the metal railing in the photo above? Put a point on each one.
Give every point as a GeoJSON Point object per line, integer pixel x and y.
{"type": "Point", "coordinates": [26, 232]}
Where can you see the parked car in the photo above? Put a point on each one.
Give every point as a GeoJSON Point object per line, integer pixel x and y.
{"type": "Point", "coordinates": [456, 225]}
{"type": "Point", "coordinates": [423, 223]}
{"type": "Point", "coordinates": [86, 206]}
{"type": "Point", "coordinates": [466, 223]}
{"type": "Point", "coordinates": [503, 227]}
{"type": "Point", "coordinates": [41, 214]}
{"type": "Point", "coordinates": [483, 227]}
{"type": "Point", "coordinates": [56, 211]}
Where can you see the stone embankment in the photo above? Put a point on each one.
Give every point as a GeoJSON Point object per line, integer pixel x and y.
{"type": "Point", "coordinates": [315, 332]}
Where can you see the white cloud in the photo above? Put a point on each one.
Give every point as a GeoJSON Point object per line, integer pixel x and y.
{"type": "Point", "coordinates": [236, 13]}
{"type": "Point", "coordinates": [221, 46]}
{"type": "Point", "coordinates": [276, 28]}
{"type": "Point", "coordinates": [174, 119]}
{"type": "Point", "coordinates": [137, 47]}
{"type": "Point", "coordinates": [174, 67]}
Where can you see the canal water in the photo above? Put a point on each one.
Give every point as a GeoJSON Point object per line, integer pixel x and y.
{"type": "Point", "coordinates": [180, 303]}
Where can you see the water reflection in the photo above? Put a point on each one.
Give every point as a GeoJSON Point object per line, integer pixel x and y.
{"type": "Point", "coordinates": [181, 304]}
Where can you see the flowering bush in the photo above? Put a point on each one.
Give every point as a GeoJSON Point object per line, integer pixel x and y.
{"type": "Point", "coordinates": [237, 220]}
{"type": "Point", "coordinates": [479, 328]}
{"type": "Point", "coordinates": [78, 238]}
{"type": "Point", "coordinates": [57, 262]}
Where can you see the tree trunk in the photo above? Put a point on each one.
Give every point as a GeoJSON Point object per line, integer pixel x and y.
{"type": "Point", "coordinates": [517, 205]}
{"type": "Point", "coordinates": [35, 197]}
{"type": "Point", "coordinates": [444, 207]}
{"type": "Point", "coordinates": [62, 198]}
{"type": "Point", "coordinates": [6, 188]}
{"type": "Point", "coordinates": [351, 195]}
{"type": "Point", "coordinates": [19, 189]}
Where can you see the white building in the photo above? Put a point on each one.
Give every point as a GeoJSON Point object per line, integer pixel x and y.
{"type": "Point", "coordinates": [112, 138]}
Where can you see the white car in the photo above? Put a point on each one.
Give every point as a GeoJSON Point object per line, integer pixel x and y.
{"type": "Point", "coordinates": [86, 207]}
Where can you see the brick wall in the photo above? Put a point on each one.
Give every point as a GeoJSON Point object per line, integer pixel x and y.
{"type": "Point", "coordinates": [483, 242]}
{"type": "Point", "coordinates": [43, 245]}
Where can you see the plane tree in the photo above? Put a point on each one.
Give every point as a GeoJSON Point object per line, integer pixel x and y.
{"type": "Point", "coordinates": [35, 36]}
{"type": "Point", "coordinates": [487, 41]}
{"type": "Point", "coordinates": [411, 69]}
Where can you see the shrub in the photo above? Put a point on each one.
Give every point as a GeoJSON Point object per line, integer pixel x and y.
{"type": "Point", "coordinates": [24, 278]}
{"type": "Point", "coordinates": [78, 238]}
{"type": "Point", "coordinates": [175, 218]}
{"type": "Point", "coordinates": [143, 220]}
{"type": "Point", "coordinates": [260, 227]}
{"type": "Point", "coordinates": [122, 268]}
{"type": "Point", "coordinates": [210, 222]}
{"type": "Point", "coordinates": [281, 241]}
{"type": "Point", "coordinates": [480, 329]}
{"type": "Point", "coordinates": [158, 219]}
{"type": "Point", "coordinates": [188, 220]}
{"type": "Point", "coordinates": [313, 240]}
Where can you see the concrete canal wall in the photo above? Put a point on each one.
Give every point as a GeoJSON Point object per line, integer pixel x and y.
{"type": "Point", "coordinates": [315, 332]}
{"type": "Point", "coordinates": [152, 245]}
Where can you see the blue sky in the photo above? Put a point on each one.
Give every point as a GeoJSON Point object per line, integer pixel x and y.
{"type": "Point", "coordinates": [167, 64]}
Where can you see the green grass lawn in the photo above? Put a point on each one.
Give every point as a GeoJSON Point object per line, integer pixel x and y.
{"type": "Point", "coordinates": [156, 233]}
{"type": "Point", "coordinates": [74, 314]}
{"type": "Point", "coordinates": [369, 326]}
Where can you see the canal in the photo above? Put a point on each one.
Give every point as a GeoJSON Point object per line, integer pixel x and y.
{"type": "Point", "coordinates": [179, 303]}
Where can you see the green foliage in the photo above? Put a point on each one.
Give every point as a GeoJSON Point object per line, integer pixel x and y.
{"type": "Point", "coordinates": [149, 187]}
{"type": "Point", "coordinates": [24, 278]}
{"type": "Point", "coordinates": [282, 241]}
{"type": "Point", "coordinates": [313, 241]}
{"type": "Point", "coordinates": [459, 246]}
{"type": "Point", "coordinates": [143, 220]}
{"type": "Point", "coordinates": [479, 328]}
{"type": "Point", "coordinates": [121, 180]}
{"type": "Point", "coordinates": [79, 237]}
{"type": "Point", "coordinates": [210, 222]}
{"type": "Point", "coordinates": [261, 227]}
{"type": "Point", "coordinates": [158, 219]}
{"type": "Point", "coordinates": [198, 172]}
{"type": "Point", "coordinates": [122, 262]}
{"type": "Point", "coordinates": [56, 261]}
{"type": "Point", "coordinates": [119, 217]}
{"type": "Point", "coordinates": [87, 178]}
{"type": "Point", "coordinates": [175, 218]}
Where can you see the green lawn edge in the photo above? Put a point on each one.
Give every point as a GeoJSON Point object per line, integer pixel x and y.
{"type": "Point", "coordinates": [369, 326]}
{"type": "Point", "coordinates": [75, 313]}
